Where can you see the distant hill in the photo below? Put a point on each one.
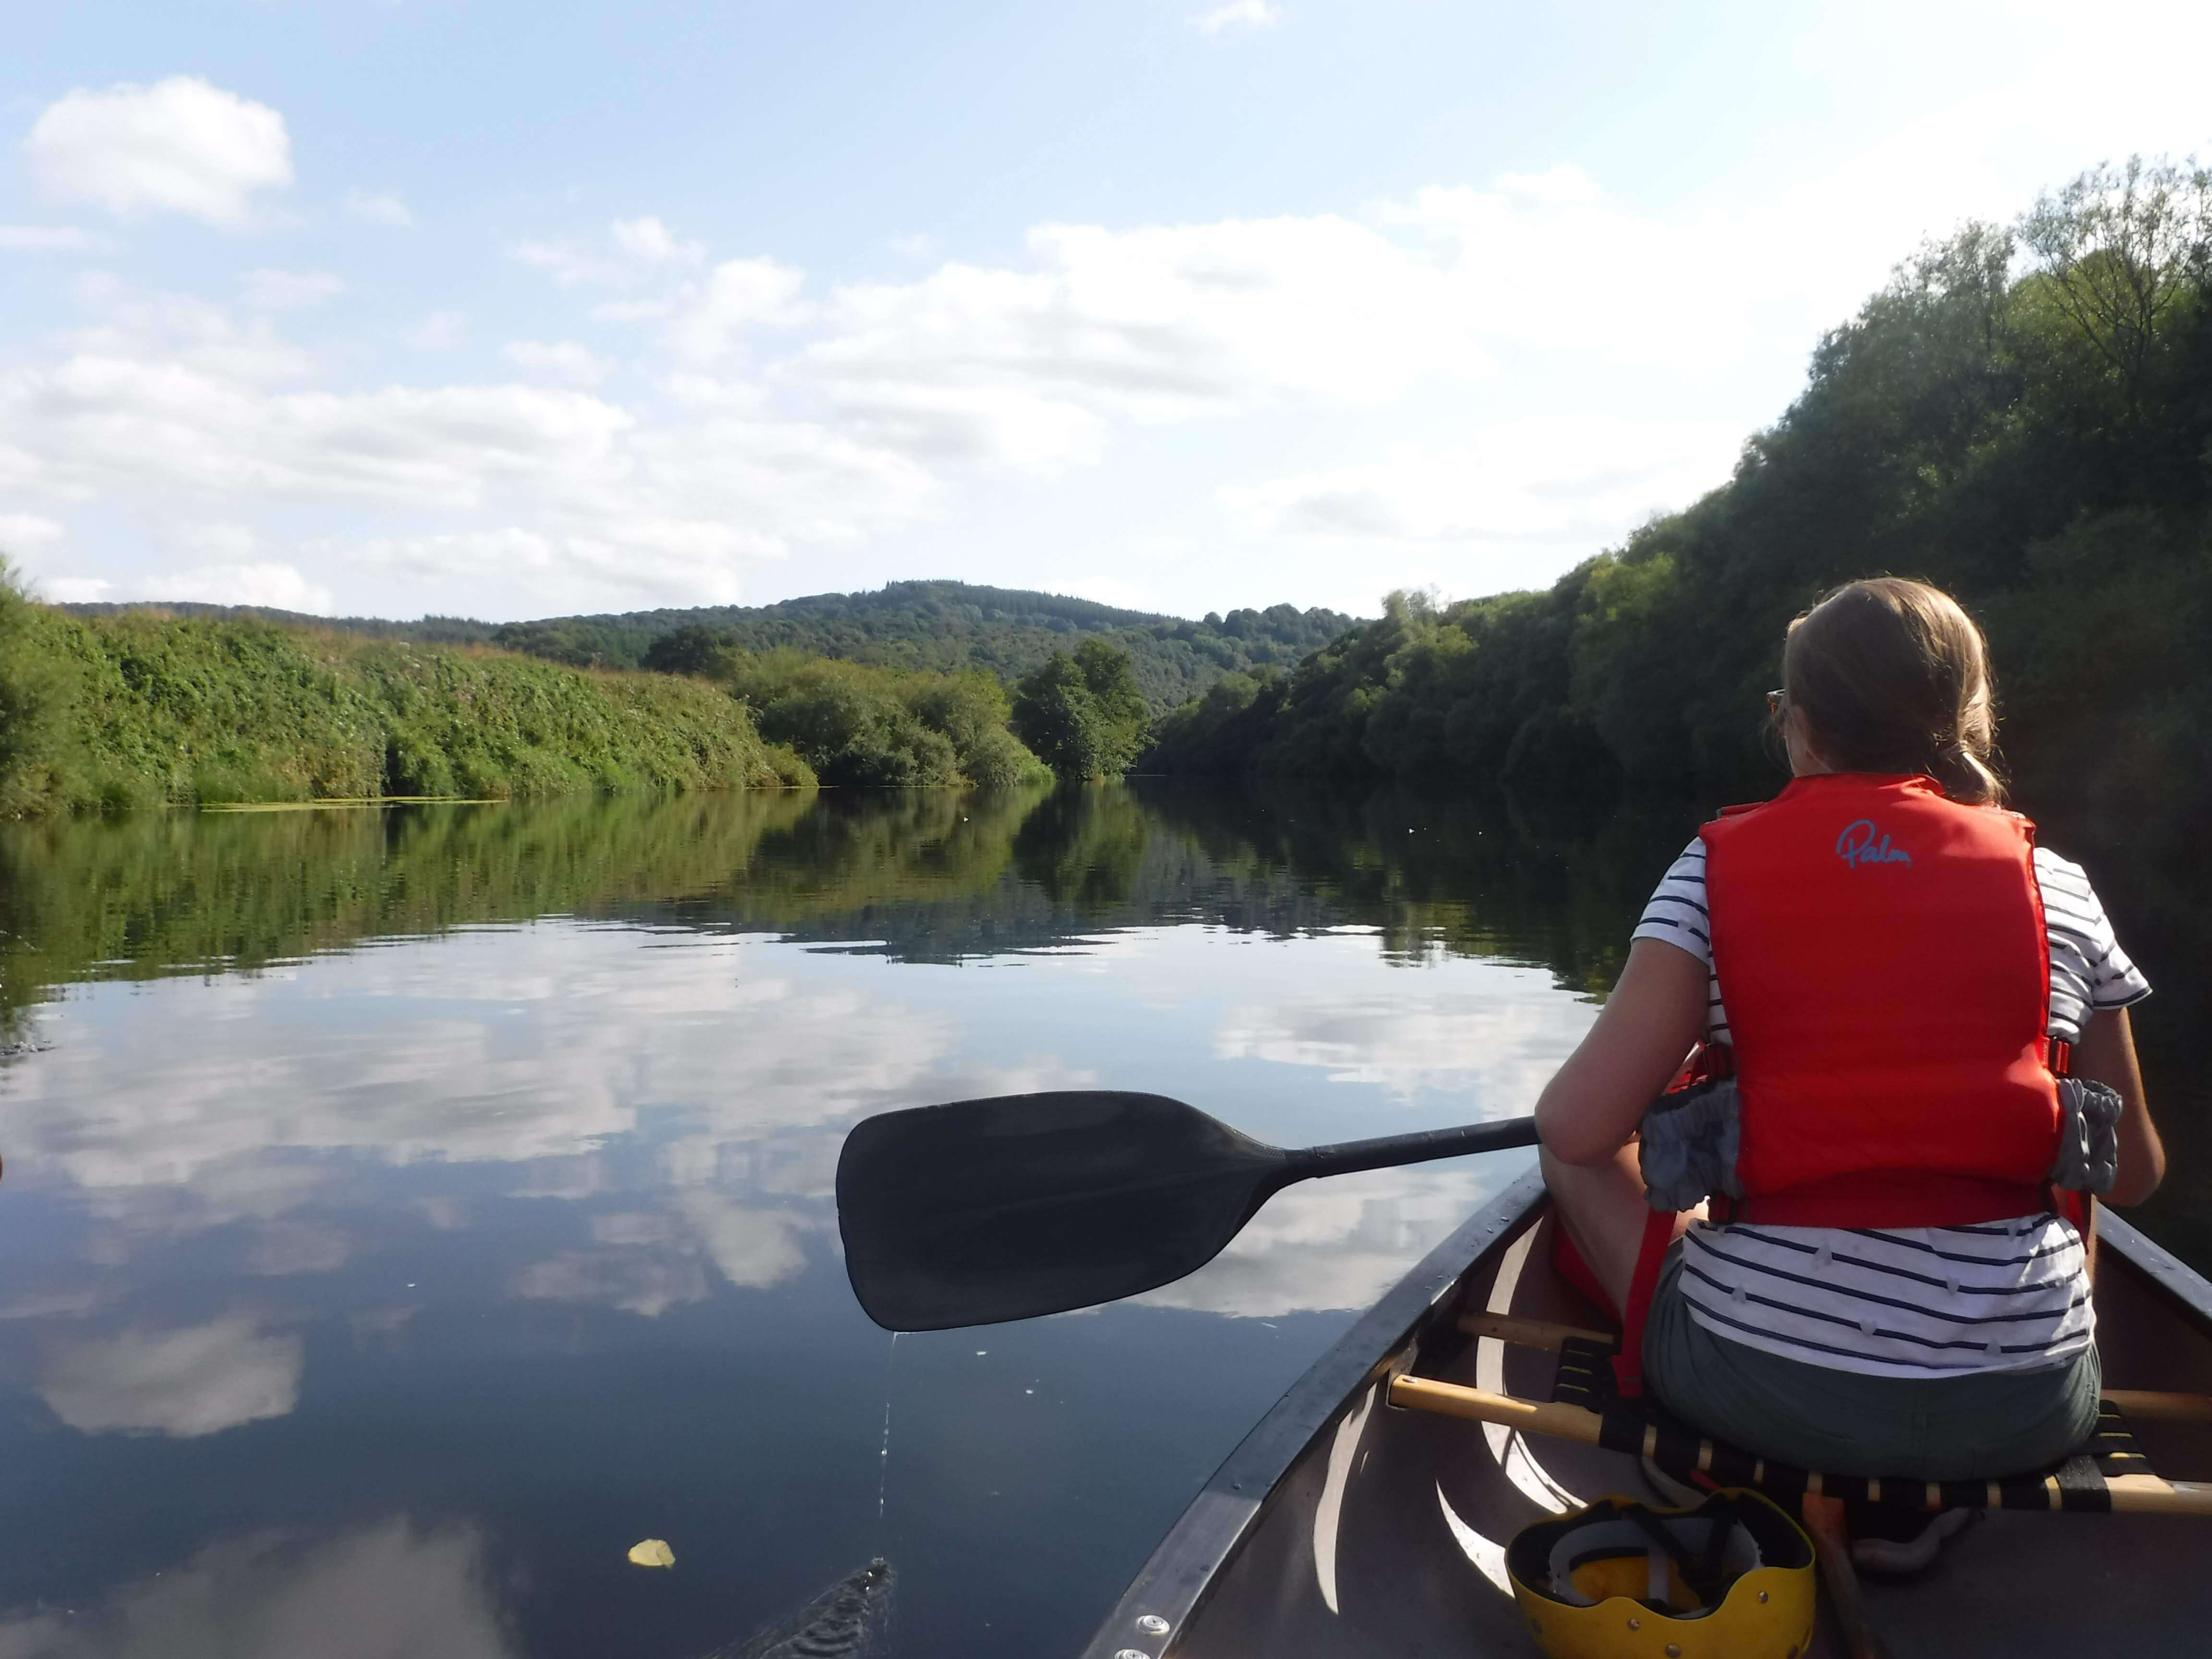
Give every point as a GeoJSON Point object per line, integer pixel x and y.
{"type": "Point", "coordinates": [917, 624]}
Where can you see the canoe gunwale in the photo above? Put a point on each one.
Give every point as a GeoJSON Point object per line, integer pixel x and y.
{"type": "Point", "coordinates": [1175, 1579]}
{"type": "Point", "coordinates": [2167, 1271]}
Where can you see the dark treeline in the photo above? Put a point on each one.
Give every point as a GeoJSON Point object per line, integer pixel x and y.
{"type": "Point", "coordinates": [2023, 416]}
{"type": "Point", "coordinates": [937, 627]}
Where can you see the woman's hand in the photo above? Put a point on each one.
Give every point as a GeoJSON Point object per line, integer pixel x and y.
{"type": "Point", "coordinates": [1655, 1013]}
{"type": "Point", "coordinates": [2107, 1052]}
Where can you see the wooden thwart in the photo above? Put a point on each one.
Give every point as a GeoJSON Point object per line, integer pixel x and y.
{"type": "Point", "coordinates": [2139, 1494]}
{"type": "Point", "coordinates": [2144, 1405]}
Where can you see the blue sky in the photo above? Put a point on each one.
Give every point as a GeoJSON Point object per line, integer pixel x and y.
{"type": "Point", "coordinates": [463, 306]}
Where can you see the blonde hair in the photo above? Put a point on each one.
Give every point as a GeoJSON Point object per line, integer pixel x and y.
{"type": "Point", "coordinates": [1894, 676]}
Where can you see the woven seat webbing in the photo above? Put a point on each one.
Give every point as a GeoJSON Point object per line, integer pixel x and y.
{"type": "Point", "coordinates": [1644, 1427]}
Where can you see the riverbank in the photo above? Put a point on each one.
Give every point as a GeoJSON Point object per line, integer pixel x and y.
{"type": "Point", "coordinates": [142, 709]}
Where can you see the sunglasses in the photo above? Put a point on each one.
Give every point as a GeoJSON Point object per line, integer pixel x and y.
{"type": "Point", "coordinates": [1774, 703]}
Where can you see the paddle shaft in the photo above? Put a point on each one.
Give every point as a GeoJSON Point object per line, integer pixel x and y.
{"type": "Point", "coordinates": [1389, 1151]}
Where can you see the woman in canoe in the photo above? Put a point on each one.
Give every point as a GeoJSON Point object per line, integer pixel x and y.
{"type": "Point", "coordinates": [1897, 978]}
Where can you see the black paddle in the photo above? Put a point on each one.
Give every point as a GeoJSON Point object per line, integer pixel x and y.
{"type": "Point", "coordinates": [990, 1210]}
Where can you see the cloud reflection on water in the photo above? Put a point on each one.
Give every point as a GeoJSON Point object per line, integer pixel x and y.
{"type": "Point", "coordinates": [382, 1592]}
{"type": "Point", "coordinates": [1493, 1035]}
{"type": "Point", "coordinates": [158, 1123]}
{"type": "Point", "coordinates": [1339, 1243]}
{"type": "Point", "coordinates": [183, 1383]}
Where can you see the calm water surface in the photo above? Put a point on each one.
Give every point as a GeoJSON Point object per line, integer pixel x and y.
{"type": "Point", "coordinates": [407, 1212]}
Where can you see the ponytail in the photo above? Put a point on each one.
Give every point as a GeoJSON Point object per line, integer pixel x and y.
{"type": "Point", "coordinates": [1892, 675]}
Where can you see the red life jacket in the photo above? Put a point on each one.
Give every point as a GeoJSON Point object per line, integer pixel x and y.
{"type": "Point", "coordinates": [1881, 953]}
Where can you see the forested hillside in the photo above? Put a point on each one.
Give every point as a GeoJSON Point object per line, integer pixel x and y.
{"type": "Point", "coordinates": [944, 627]}
{"type": "Point", "coordinates": [2023, 416]}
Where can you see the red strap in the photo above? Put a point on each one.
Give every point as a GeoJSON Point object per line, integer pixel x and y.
{"type": "Point", "coordinates": [1628, 1364]}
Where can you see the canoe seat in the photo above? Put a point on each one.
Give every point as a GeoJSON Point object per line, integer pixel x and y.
{"type": "Point", "coordinates": [2081, 1482]}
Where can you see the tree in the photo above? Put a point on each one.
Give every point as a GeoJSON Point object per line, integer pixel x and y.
{"type": "Point", "coordinates": [33, 698]}
{"type": "Point", "coordinates": [2120, 248]}
{"type": "Point", "coordinates": [691, 649]}
{"type": "Point", "coordinates": [1083, 715]}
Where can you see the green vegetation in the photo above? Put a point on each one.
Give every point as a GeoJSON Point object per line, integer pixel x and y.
{"type": "Point", "coordinates": [860, 724]}
{"type": "Point", "coordinates": [136, 709]}
{"type": "Point", "coordinates": [33, 695]}
{"type": "Point", "coordinates": [2022, 416]}
{"type": "Point", "coordinates": [1083, 714]}
{"type": "Point", "coordinates": [940, 627]}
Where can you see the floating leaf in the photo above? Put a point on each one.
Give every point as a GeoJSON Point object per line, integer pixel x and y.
{"type": "Point", "coordinates": [652, 1553]}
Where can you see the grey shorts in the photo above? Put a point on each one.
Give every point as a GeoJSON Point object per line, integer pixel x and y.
{"type": "Point", "coordinates": [1968, 1427]}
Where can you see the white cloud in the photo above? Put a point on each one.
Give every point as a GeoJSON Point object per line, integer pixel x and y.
{"type": "Point", "coordinates": [75, 590]}
{"type": "Point", "coordinates": [380, 208]}
{"type": "Point", "coordinates": [181, 332]}
{"type": "Point", "coordinates": [178, 146]}
{"type": "Point", "coordinates": [438, 332]}
{"type": "Point", "coordinates": [563, 264]}
{"type": "Point", "coordinates": [1551, 486]}
{"type": "Point", "coordinates": [1033, 366]}
{"type": "Point", "coordinates": [1237, 15]}
{"type": "Point", "coordinates": [635, 250]}
{"type": "Point", "coordinates": [739, 295]}
{"type": "Point", "coordinates": [560, 359]}
{"type": "Point", "coordinates": [44, 239]}
{"type": "Point", "coordinates": [777, 417]}
{"type": "Point", "coordinates": [27, 533]}
{"type": "Point", "coordinates": [178, 425]}
{"type": "Point", "coordinates": [650, 242]}
{"type": "Point", "coordinates": [1563, 183]}
{"type": "Point", "coordinates": [183, 1383]}
{"type": "Point", "coordinates": [288, 290]}
{"type": "Point", "coordinates": [267, 583]}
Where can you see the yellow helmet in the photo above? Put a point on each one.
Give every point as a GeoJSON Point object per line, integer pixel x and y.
{"type": "Point", "coordinates": [1730, 1579]}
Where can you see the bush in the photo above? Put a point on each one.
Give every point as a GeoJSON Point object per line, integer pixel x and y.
{"type": "Point", "coordinates": [1083, 715]}
{"type": "Point", "coordinates": [34, 699]}
{"type": "Point", "coordinates": [856, 723]}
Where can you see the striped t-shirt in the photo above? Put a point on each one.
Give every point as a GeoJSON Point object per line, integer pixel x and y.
{"type": "Point", "coordinates": [1906, 1301]}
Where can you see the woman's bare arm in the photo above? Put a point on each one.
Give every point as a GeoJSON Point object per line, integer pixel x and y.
{"type": "Point", "coordinates": [2107, 1052]}
{"type": "Point", "coordinates": [1594, 1103]}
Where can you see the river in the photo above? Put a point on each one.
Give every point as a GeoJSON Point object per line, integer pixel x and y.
{"type": "Point", "coordinates": [407, 1211]}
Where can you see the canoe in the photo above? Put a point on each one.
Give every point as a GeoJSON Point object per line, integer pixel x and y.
{"type": "Point", "coordinates": [1345, 1525]}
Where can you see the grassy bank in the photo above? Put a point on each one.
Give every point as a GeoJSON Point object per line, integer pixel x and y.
{"type": "Point", "coordinates": [137, 709]}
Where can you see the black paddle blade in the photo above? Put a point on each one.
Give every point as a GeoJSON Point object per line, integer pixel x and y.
{"type": "Point", "coordinates": [991, 1210]}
